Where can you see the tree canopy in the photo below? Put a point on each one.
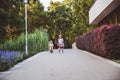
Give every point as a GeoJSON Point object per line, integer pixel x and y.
{"type": "Point", "coordinates": [69, 18]}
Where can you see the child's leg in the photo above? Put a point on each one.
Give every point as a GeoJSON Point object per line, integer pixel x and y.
{"type": "Point", "coordinates": [59, 49]}
{"type": "Point", "coordinates": [51, 49]}
{"type": "Point", "coordinates": [62, 48]}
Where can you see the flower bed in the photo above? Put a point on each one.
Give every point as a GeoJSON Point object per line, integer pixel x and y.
{"type": "Point", "coordinates": [8, 59]}
{"type": "Point", "coordinates": [104, 41]}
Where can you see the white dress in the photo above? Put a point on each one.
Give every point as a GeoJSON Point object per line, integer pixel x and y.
{"type": "Point", "coordinates": [60, 42]}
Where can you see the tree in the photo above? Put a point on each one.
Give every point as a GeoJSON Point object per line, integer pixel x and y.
{"type": "Point", "coordinates": [81, 16]}
{"type": "Point", "coordinates": [6, 8]}
{"type": "Point", "coordinates": [12, 13]}
{"type": "Point", "coordinates": [61, 19]}
{"type": "Point", "coordinates": [35, 13]}
{"type": "Point", "coordinates": [69, 18]}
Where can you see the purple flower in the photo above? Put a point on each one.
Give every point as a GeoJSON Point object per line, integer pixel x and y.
{"type": "Point", "coordinates": [9, 57]}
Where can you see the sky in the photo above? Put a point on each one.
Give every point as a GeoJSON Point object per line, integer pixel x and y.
{"type": "Point", "coordinates": [46, 3]}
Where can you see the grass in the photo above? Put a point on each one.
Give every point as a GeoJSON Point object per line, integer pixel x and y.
{"type": "Point", "coordinates": [118, 61]}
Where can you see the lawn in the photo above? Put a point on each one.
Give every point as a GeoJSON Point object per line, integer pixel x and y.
{"type": "Point", "coordinates": [118, 61]}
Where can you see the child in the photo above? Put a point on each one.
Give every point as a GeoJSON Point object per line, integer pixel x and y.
{"type": "Point", "coordinates": [51, 45]}
{"type": "Point", "coordinates": [60, 43]}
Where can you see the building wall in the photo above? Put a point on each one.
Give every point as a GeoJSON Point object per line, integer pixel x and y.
{"type": "Point", "coordinates": [98, 7]}
{"type": "Point", "coordinates": [112, 18]}
{"type": "Point", "coordinates": [102, 9]}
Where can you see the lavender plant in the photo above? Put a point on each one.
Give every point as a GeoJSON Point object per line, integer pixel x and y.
{"type": "Point", "coordinates": [8, 59]}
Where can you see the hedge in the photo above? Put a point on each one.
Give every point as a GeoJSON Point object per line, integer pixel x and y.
{"type": "Point", "coordinates": [104, 41]}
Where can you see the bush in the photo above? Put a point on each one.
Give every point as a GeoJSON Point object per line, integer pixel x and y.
{"type": "Point", "coordinates": [104, 41]}
{"type": "Point", "coordinates": [37, 41]}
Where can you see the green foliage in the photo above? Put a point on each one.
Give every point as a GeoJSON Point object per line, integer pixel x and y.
{"type": "Point", "coordinates": [69, 18]}
{"type": "Point", "coordinates": [37, 17]}
{"type": "Point", "coordinates": [61, 20]}
{"type": "Point", "coordinates": [81, 16]}
{"type": "Point", "coordinates": [12, 13]}
{"type": "Point", "coordinates": [37, 41]}
{"type": "Point", "coordinates": [118, 61]}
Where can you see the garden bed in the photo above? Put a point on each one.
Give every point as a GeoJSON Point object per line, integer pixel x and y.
{"type": "Point", "coordinates": [13, 50]}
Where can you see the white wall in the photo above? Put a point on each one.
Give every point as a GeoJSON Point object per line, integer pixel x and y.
{"type": "Point", "coordinates": [98, 7]}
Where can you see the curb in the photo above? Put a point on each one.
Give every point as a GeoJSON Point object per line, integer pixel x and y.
{"type": "Point", "coordinates": [96, 56]}
{"type": "Point", "coordinates": [102, 58]}
{"type": "Point", "coordinates": [18, 65]}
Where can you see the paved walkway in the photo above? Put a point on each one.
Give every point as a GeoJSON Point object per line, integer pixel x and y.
{"type": "Point", "coordinates": [70, 65]}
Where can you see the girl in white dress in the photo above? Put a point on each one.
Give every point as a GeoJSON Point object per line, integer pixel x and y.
{"type": "Point", "coordinates": [60, 43]}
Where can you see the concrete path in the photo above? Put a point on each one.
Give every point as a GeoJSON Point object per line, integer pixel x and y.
{"type": "Point", "coordinates": [70, 65]}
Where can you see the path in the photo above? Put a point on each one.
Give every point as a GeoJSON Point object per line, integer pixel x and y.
{"type": "Point", "coordinates": [70, 65]}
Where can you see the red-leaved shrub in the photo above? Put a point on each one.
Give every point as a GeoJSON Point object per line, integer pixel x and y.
{"type": "Point", "coordinates": [104, 41]}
